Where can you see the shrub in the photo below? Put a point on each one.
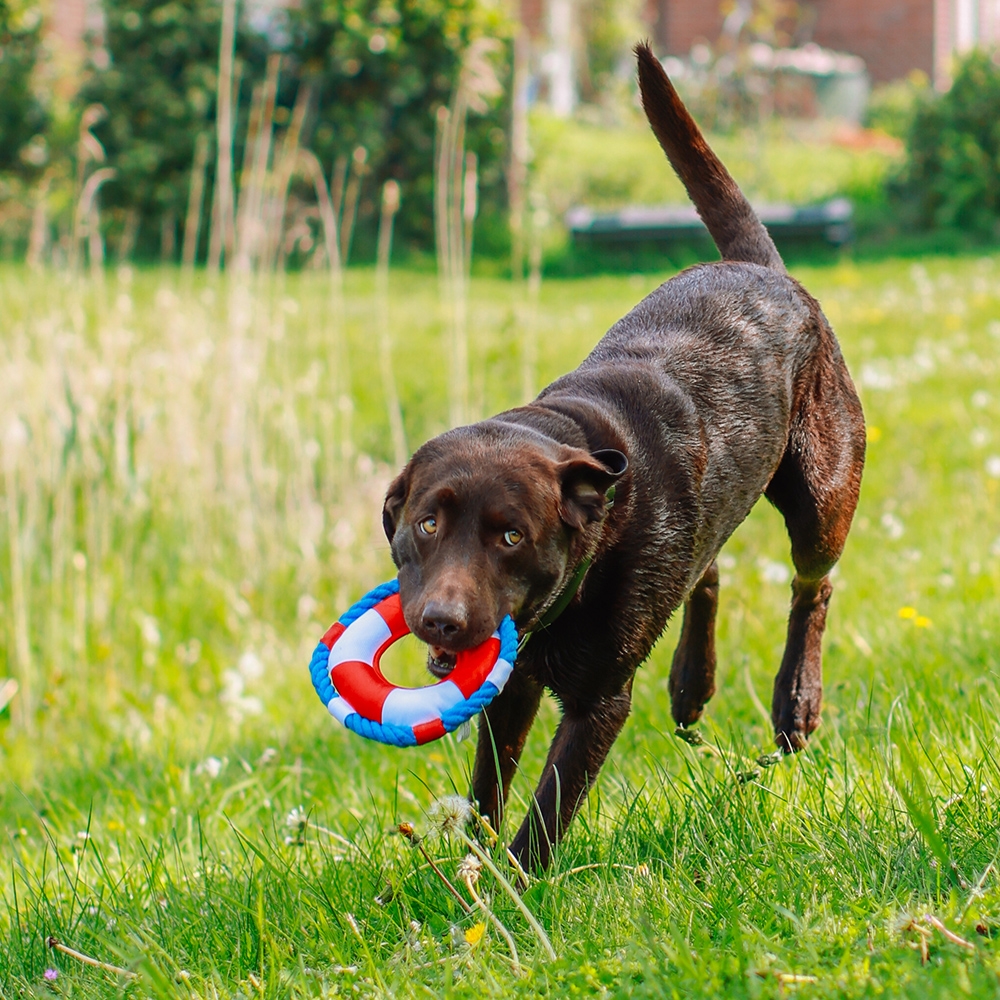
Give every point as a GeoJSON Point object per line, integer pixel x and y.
{"type": "Point", "coordinates": [952, 173]}
{"type": "Point", "coordinates": [379, 70]}
{"type": "Point", "coordinates": [21, 114]}
{"type": "Point", "coordinates": [158, 86]}
{"type": "Point", "coordinates": [893, 106]}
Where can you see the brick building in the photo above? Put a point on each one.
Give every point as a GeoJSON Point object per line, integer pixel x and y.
{"type": "Point", "coordinates": [892, 36]}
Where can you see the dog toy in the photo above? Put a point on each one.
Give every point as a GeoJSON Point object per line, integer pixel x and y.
{"type": "Point", "coordinates": [345, 673]}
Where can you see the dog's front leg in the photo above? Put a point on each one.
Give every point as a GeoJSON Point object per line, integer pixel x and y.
{"type": "Point", "coordinates": [503, 728]}
{"type": "Point", "coordinates": [580, 747]}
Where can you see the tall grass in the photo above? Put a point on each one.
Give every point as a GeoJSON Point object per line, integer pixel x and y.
{"type": "Point", "coordinates": [186, 521]}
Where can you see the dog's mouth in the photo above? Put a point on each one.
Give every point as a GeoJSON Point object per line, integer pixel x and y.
{"type": "Point", "coordinates": [440, 661]}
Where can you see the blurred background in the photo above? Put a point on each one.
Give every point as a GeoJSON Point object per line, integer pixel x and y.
{"type": "Point", "coordinates": [172, 131]}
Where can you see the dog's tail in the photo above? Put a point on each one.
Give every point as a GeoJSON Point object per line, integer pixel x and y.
{"type": "Point", "coordinates": [734, 226]}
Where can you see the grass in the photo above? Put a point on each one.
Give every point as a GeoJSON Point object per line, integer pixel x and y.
{"type": "Point", "coordinates": [192, 481]}
{"type": "Point", "coordinates": [609, 167]}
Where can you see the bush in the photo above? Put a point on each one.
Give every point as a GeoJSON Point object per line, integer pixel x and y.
{"type": "Point", "coordinates": [952, 173]}
{"type": "Point", "coordinates": [159, 88]}
{"type": "Point", "coordinates": [893, 106]}
{"type": "Point", "coordinates": [379, 70]}
{"type": "Point", "coordinates": [21, 114]}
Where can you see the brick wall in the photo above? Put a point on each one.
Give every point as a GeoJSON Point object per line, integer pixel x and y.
{"type": "Point", "coordinates": [677, 25]}
{"type": "Point", "coordinates": [892, 36]}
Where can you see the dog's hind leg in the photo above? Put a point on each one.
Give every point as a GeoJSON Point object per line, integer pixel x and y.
{"type": "Point", "coordinates": [816, 488]}
{"type": "Point", "coordinates": [692, 675]}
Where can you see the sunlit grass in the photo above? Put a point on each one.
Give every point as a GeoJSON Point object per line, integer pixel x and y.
{"type": "Point", "coordinates": [188, 503]}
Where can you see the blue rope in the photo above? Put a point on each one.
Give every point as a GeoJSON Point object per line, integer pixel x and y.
{"type": "Point", "coordinates": [394, 736]}
{"type": "Point", "coordinates": [403, 736]}
{"type": "Point", "coordinates": [380, 593]}
{"type": "Point", "coordinates": [319, 670]}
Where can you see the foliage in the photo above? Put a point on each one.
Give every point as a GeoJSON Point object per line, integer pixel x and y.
{"type": "Point", "coordinates": [892, 106]}
{"type": "Point", "coordinates": [22, 116]}
{"type": "Point", "coordinates": [377, 72]}
{"type": "Point", "coordinates": [952, 175]}
{"type": "Point", "coordinates": [609, 29]}
{"type": "Point", "coordinates": [184, 527]}
{"type": "Point", "coordinates": [159, 89]}
{"type": "Point", "coordinates": [380, 69]}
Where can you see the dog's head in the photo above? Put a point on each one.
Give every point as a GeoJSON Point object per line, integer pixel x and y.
{"type": "Point", "coordinates": [487, 521]}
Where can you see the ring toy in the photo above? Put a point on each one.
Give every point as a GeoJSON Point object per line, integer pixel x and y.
{"type": "Point", "coordinates": [346, 675]}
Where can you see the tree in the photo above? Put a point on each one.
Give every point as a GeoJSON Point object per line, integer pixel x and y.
{"type": "Point", "coordinates": [22, 117]}
{"type": "Point", "coordinates": [159, 89]}
{"type": "Point", "coordinates": [952, 174]}
{"type": "Point", "coordinates": [379, 70]}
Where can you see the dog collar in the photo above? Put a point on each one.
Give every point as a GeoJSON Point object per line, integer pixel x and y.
{"type": "Point", "coordinates": [561, 603]}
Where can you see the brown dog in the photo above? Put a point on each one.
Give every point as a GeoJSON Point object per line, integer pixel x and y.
{"type": "Point", "coordinates": [591, 514]}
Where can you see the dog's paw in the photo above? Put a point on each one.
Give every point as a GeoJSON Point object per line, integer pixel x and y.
{"type": "Point", "coordinates": [792, 740]}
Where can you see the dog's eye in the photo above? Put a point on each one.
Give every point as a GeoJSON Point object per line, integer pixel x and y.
{"type": "Point", "coordinates": [512, 536]}
{"type": "Point", "coordinates": [428, 525]}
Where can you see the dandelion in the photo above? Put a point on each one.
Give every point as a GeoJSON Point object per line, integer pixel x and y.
{"type": "Point", "coordinates": [297, 821]}
{"type": "Point", "coordinates": [468, 871]}
{"type": "Point", "coordinates": [773, 572]}
{"type": "Point", "coordinates": [908, 613]}
{"type": "Point", "coordinates": [892, 525]}
{"type": "Point", "coordinates": [451, 813]}
{"type": "Point", "coordinates": [469, 868]}
{"type": "Point", "coordinates": [406, 830]}
{"type": "Point", "coordinates": [211, 766]}
{"type": "Point", "coordinates": [453, 808]}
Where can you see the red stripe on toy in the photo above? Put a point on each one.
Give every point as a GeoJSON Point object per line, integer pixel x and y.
{"type": "Point", "coordinates": [333, 633]}
{"type": "Point", "coordinates": [474, 666]}
{"type": "Point", "coordinates": [363, 689]}
{"type": "Point", "coordinates": [392, 614]}
{"type": "Point", "coordinates": [428, 731]}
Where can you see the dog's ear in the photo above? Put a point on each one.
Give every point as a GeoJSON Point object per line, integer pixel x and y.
{"type": "Point", "coordinates": [395, 498]}
{"type": "Point", "coordinates": [586, 481]}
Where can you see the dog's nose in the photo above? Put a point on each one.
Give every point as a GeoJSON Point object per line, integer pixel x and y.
{"type": "Point", "coordinates": [445, 621]}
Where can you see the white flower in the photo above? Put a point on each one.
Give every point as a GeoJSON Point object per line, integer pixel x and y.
{"type": "Point", "coordinates": [993, 466]}
{"type": "Point", "coordinates": [250, 666]}
{"type": "Point", "coordinates": [297, 819]}
{"type": "Point", "coordinates": [893, 525]}
{"type": "Point", "coordinates": [211, 766]}
{"type": "Point", "coordinates": [469, 868]}
{"type": "Point", "coordinates": [773, 572]}
{"type": "Point", "coordinates": [451, 812]}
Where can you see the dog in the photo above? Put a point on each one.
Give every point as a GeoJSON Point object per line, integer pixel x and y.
{"type": "Point", "coordinates": [594, 512]}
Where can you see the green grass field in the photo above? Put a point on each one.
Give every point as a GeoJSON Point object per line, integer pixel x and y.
{"type": "Point", "coordinates": [192, 480]}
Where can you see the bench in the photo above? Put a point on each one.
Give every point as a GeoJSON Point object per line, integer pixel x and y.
{"type": "Point", "coordinates": [829, 221]}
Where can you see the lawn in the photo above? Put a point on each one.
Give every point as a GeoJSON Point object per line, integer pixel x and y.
{"type": "Point", "coordinates": [192, 479]}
